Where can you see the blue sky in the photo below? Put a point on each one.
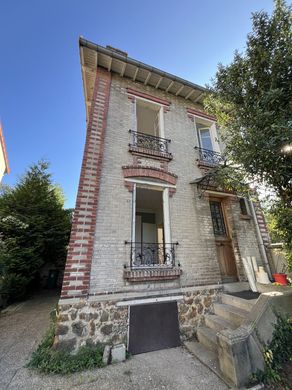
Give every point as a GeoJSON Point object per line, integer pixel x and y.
{"type": "Point", "coordinates": [41, 100]}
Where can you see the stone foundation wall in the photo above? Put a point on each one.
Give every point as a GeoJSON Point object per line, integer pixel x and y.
{"type": "Point", "coordinates": [192, 309]}
{"type": "Point", "coordinates": [90, 322]}
{"type": "Point", "coordinates": [87, 323]}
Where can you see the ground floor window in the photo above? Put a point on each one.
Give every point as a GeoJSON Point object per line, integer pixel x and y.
{"type": "Point", "coordinates": [151, 241]}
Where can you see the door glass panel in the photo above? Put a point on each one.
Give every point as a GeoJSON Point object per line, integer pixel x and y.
{"type": "Point", "coordinates": [217, 219]}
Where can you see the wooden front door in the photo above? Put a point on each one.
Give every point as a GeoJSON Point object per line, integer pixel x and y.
{"type": "Point", "coordinates": [223, 241]}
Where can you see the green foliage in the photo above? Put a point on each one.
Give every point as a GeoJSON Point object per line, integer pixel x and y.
{"type": "Point", "coordinates": [251, 99]}
{"type": "Point", "coordinates": [34, 230]}
{"type": "Point", "coordinates": [277, 352]}
{"type": "Point", "coordinates": [282, 226]}
{"type": "Point", "coordinates": [50, 361]}
{"type": "Point", "coordinates": [231, 179]}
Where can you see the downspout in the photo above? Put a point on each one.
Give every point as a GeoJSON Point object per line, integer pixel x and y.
{"type": "Point", "coordinates": [260, 239]}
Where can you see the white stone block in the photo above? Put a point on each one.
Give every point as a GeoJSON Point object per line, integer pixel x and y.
{"type": "Point", "coordinates": [106, 354]}
{"type": "Point", "coordinates": [118, 353]}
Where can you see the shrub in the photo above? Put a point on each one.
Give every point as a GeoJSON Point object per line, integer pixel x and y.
{"type": "Point", "coordinates": [50, 361]}
{"type": "Point", "coordinates": [277, 352]}
{"type": "Point", "coordinates": [34, 228]}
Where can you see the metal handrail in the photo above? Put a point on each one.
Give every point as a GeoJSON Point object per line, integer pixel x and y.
{"type": "Point", "coordinates": [148, 141]}
{"type": "Point", "coordinates": [210, 156]}
{"type": "Point", "coordinates": [148, 254]}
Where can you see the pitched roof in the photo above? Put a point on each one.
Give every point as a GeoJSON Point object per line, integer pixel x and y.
{"type": "Point", "coordinates": [116, 61]}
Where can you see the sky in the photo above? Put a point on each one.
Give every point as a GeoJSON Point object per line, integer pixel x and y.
{"type": "Point", "coordinates": [41, 95]}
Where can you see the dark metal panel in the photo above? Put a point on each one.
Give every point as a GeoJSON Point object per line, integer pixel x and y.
{"type": "Point", "coordinates": [153, 327]}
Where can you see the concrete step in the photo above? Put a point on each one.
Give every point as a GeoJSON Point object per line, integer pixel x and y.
{"type": "Point", "coordinates": [218, 323]}
{"type": "Point", "coordinates": [230, 313]}
{"type": "Point", "coordinates": [207, 337]}
{"type": "Point", "coordinates": [238, 302]}
{"type": "Point", "coordinates": [204, 354]}
{"type": "Point", "coordinates": [207, 357]}
{"type": "Point", "coordinates": [235, 287]}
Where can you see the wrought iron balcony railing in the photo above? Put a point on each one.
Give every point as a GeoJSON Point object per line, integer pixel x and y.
{"type": "Point", "coordinates": [150, 142]}
{"type": "Point", "coordinates": [152, 255]}
{"type": "Point", "coordinates": [210, 157]}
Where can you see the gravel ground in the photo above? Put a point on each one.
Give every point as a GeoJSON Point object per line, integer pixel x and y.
{"type": "Point", "coordinates": [22, 327]}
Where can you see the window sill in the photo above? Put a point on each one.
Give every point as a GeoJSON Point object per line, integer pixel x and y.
{"type": "Point", "coordinates": [150, 153]}
{"type": "Point", "coordinates": [206, 164]}
{"type": "Point", "coordinates": [149, 274]}
{"type": "Point", "coordinates": [245, 217]}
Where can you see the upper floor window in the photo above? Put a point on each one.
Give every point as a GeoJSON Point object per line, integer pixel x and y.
{"type": "Point", "coordinates": [209, 150]}
{"type": "Point", "coordinates": [148, 133]}
{"type": "Point", "coordinates": [204, 136]}
{"type": "Point", "coordinates": [148, 118]}
{"type": "Point", "coordinates": [206, 132]}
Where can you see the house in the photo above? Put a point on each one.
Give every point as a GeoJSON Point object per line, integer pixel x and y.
{"type": "Point", "coordinates": [4, 167]}
{"type": "Point", "coordinates": [151, 244]}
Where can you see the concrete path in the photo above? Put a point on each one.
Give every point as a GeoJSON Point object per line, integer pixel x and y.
{"type": "Point", "coordinates": [22, 328]}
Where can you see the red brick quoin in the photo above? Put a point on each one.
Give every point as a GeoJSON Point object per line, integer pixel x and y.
{"type": "Point", "coordinates": [80, 252]}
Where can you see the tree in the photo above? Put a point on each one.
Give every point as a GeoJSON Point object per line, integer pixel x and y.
{"type": "Point", "coordinates": [252, 100]}
{"type": "Point", "coordinates": [34, 228]}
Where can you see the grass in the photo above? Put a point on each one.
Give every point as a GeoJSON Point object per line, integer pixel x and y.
{"type": "Point", "coordinates": [47, 360]}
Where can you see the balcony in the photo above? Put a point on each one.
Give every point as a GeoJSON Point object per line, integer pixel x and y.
{"type": "Point", "coordinates": [146, 144]}
{"type": "Point", "coordinates": [209, 158]}
{"type": "Point", "coordinates": [152, 261]}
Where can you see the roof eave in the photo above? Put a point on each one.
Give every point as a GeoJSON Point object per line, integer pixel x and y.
{"type": "Point", "coordinates": [93, 56]}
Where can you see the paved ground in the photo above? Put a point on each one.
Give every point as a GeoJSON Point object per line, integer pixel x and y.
{"type": "Point", "coordinates": [22, 327]}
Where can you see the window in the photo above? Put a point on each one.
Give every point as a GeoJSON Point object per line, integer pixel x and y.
{"type": "Point", "coordinates": [206, 133]}
{"type": "Point", "coordinates": [151, 243]}
{"type": "Point", "coordinates": [148, 134]}
{"type": "Point", "coordinates": [204, 136]}
{"type": "Point", "coordinates": [148, 118]}
{"type": "Point", "coordinates": [244, 207]}
{"type": "Point", "coordinates": [217, 219]}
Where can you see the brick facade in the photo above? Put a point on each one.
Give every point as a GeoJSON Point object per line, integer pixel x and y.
{"type": "Point", "coordinates": [98, 263]}
{"type": "Point", "coordinates": [191, 224]}
{"type": "Point", "coordinates": [80, 252]}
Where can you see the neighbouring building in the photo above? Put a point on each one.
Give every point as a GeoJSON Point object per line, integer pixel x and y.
{"type": "Point", "coordinates": [4, 167]}
{"type": "Point", "coordinates": [152, 244]}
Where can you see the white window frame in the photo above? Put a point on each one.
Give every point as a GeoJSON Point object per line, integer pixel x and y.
{"type": "Point", "coordinates": [161, 114]}
{"type": "Point", "coordinates": [165, 202]}
{"type": "Point", "coordinates": [213, 132]}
